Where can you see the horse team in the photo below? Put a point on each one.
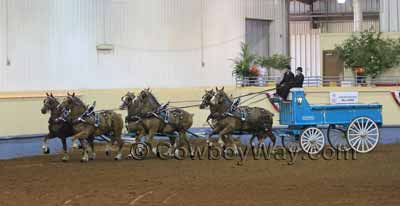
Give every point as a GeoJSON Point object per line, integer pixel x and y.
{"type": "Point", "coordinates": [148, 118]}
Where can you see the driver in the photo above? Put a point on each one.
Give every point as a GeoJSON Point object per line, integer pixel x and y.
{"type": "Point", "coordinates": [287, 82]}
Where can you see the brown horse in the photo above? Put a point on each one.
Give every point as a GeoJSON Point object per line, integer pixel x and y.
{"type": "Point", "coordinates": [144, 119]}
{"type": "Point", "coordinates": [57, 127]}
{"type": "Point", "coordinates": [257, 121]}
{"type": "Point", "coordinates": [88, 124]}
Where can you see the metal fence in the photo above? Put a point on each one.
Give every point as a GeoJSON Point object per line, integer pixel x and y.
{"type": "Point", "coordinates": [325, 81]}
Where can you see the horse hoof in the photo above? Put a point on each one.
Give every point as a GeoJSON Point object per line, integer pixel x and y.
{"type": "Point", "coordinates": [75, 145]}
{"type": "Point", "coordinates": [84, 160]}
{"type": "Point", "coordinates": [118, 157]}
{"type": "Point", "coordinates": [108, 153]}
{"type": "Point", "coordinates": [46, 151]}
{"type": "Point", "coordinates": [154, 150]}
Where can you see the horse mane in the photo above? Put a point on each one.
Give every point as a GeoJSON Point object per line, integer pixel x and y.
{"type": "Point", "coordinates": [78, 101]}
{"type": "Point", "coordinates": [152, 97]}
{"type": "Point", "coordinates": [227, 97]}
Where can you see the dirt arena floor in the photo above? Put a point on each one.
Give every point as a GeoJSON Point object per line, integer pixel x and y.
{"type": "Point", "coordinates": [372, 179]}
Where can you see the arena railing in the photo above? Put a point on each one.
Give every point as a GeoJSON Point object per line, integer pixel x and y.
{"type": "Point", "coordinates": [322, 81]}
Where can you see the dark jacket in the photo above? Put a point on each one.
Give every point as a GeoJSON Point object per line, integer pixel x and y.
{"type": "Point", "coordinates": [283, 88]}
{"type": "Point", "coordinates": [298, 80]}
{"type": "Point", "coordinates": [288, 79]}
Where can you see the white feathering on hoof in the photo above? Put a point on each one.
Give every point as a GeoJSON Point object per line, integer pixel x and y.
{"type": "Point", "coordinates": [85, 158]}
{"type": "Point", "coordinates": [118, 157]}
{"type": "Point", "coordinates": [92, 156]}
{"type": "Point", "coordinates": [75, 145]}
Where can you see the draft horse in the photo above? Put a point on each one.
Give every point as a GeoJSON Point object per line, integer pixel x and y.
{"type": "Point", "coordinates": [88, 124]}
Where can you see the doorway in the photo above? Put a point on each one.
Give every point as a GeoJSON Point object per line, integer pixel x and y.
{"type": "Point", "coordinates": [333, 68]}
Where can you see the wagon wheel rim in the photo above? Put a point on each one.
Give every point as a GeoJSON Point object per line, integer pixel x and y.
{"type": "Point", "coordinates": [363, 134]}
{"type": "Point", "coordinates": [290, 143]}
{"type": "Point", "coordinates": [337, 138]}
{"type": "Point", "coordinates": [312, 140]}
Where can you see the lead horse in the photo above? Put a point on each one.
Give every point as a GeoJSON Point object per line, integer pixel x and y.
{"type": "Point", "coordinates": [57, 127]}
{"type": "Point", "coordinates": [225, 120]}
{"type": "Point", "coordinates": [88, 124]}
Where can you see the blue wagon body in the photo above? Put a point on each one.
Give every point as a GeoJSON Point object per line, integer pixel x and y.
{"type": "Point", "coordinates": [298, 112]}
{"type": "Point", "coordinates": [350, 126]}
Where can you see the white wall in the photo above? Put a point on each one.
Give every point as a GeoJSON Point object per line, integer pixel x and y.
{"type": "Point", "coordinates": [390, 16]}
{"type": "Point", "coordinates": [158, 43]}
{"type": "Point", "coordinates": [305, 48]}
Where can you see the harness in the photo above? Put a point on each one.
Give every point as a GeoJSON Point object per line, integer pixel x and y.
{"type": "Point", "coordinates": [235, 108]}
{"type": "Point", "coordinates": [162, 113]}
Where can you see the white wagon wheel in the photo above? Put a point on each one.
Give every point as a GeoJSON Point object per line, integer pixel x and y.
{"type": "Point", "coordinates": [312, 140]}
{"type": "Point", "coordinates": [290, 143]}
{"type": "Point", "coordinates": [337, 138]}
{"type": "Point", "coordinates": [363, 134]}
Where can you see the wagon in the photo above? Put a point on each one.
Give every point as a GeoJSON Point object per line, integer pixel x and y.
{"type": "Point", "coordinates": [350, 126]}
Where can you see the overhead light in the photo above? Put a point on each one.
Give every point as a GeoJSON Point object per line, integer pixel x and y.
{"type": "Point", "coordinates": [341, 1]}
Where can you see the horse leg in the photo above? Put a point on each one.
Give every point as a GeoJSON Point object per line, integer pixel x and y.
{"type": "Point", "coordinates": [108, 148]}
{"type": "Point", "coordinates": [172, 141]}
{"type": "Point", "coordinates": [82, 136]}
{"type": "Point", "coordinates": [92, 155]}
{"type": "Point", "coordinates": [150, 140]}
{"type": "Point", "coordinates": [251, 140]}
{"type": "Point", "coordinates": [64, 144]}
{"type": "Point", "coordinates": [272, 137]}
{"type": "Point", "coordinates": [45, 146]}
{"type": "Point", "coordinates": [215, 131]}
{"type": "Point", "coordinates": [222, 135]}
{"type": "Point", "coordinates": [183, 137]}
{"type": "Point", "coordinates": [117, 136]}
{"type": "Point", "coordinates": [228, 139]}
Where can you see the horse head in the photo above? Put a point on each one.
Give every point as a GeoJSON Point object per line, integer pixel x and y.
{"type": "Point", "coordinates": [147, 101]}
{"type": "Point", "coordinates": [221, 98]}
{"type": "Point", "coordinates": [49, 104]}
{"type": "Point", "coordinates": [206, 99]}
{"type": "Point", "coordinates": [127, 100]}
{"type": "Point", "coordinates": [72, 106]}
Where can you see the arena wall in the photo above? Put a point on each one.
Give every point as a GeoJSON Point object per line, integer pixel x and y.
{"type": "Point", "coordinates": [21, 116]}
{"type": "Point", "coordinates": [158, 43]}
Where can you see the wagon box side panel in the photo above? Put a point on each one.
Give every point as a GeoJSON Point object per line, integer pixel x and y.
{"type": "Point", "coordinates": [306, 117]}
{"type": "Point", "coordinates": [345, 117]}
{"type": "Point", "coordinates": [339, 116]}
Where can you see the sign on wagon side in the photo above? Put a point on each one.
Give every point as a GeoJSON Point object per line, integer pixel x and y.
{"type": "Point", "coordinates": [344, 97]}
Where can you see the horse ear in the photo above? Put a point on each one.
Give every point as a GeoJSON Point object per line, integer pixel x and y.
{"type": "Point", "coordinates": [51, 94]}
{"type": "Point", "coordinates": [68, 94]}
{"type": "Point", "coordinates": [73, 94]}
{"type": "Point", "coordinates": [216, 88]}
{"type": "Point", "coordinates": [222, 88]}
{"type": "Point", "coordinates": [47, 94]}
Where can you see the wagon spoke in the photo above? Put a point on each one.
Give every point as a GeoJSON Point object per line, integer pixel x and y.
{"type": "Point", "coordinates": [358, 125]}
{"type": "Point", "coordinates": [356, 131]}
{"type": "Point", "coordinates": [356, 137]}
{"type": "Point", "coordinates": [363, 144]}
